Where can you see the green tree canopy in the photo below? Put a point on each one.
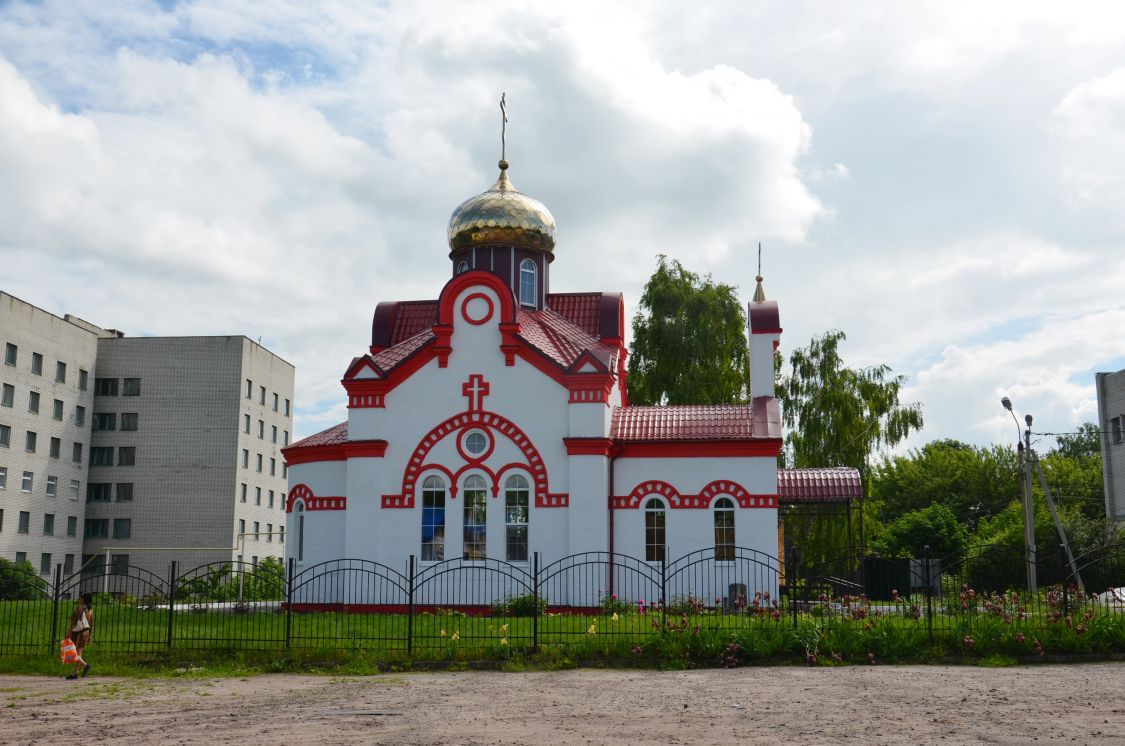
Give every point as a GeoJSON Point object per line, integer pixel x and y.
{"type": "Point", "coordinates": [1086, 442]}
{"type": "Point", "coordinates": [974, 483]}
{"type": "Point", "coordinates": [839, 416]}
{"type": "Point", "coordinates": [689, 341]}
{"type": "Point", "coordinates": [909, 534]}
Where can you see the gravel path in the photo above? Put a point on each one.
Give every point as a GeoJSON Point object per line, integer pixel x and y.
{"type": "Point", "coordinates": [882, 704]}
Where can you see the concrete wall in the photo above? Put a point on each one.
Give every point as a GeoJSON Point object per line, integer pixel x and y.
{"type": "Point", "coordinates": [1111, 406]}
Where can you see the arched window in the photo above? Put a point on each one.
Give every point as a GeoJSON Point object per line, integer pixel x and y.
{"type": "Point", "coordinates": [527, 283]}
{"type": "Point", "coordinates": [300, 531]}
{"type": "Point", "coordinates": [462, 267]}
{"type": "Point", "coordinates": [724, 530]}
{"type": "Point", "coordinates": [476, 509]}
{"type": "Point", "coordinates": [433, 519]}
{"type": "Point", "coordinates": [654, 531]}
{"type": "Point", "coordinates": [516, 492]}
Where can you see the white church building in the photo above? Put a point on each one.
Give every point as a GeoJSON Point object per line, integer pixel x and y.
{"type": "Point", "coordinates": [493, 424]}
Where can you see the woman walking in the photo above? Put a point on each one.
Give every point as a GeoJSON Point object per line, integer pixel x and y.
{"type": "Point", "coordinates": [81, 632]}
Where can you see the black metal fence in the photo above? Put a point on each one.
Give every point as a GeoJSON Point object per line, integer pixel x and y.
{"type": "Point", "coordinates": [494, 607]}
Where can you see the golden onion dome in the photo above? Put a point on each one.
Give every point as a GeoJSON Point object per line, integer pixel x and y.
{"type": "Point", "coordinates": [502, 215]}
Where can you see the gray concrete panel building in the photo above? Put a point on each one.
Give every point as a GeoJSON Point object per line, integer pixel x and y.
{"type": "Point", "coordinates": [138, 450]}
{"type": "Point", "coordinates": [1111, 421]}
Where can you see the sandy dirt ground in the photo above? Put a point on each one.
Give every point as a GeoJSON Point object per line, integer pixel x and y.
{"type": "Point", "coordinates": [913, 705]}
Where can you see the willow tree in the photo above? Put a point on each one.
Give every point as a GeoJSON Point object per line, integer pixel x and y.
{"type": "Point", "coordinates": [689, 341]}
{"type": "Point", "coordinates": [841, 416]}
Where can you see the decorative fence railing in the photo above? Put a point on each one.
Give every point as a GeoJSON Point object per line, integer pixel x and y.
{"type": "Point", "coordinates": [495, 607]}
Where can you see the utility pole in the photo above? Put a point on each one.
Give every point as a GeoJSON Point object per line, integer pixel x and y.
{"type": "Point", "coordinates": [1029, 511]}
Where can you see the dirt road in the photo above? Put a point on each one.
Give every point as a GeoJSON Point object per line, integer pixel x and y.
{"type": "Point", "coordinates": [882, 704]}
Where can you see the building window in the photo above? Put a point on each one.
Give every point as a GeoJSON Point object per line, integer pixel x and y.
{"type": "Point", "coordinates": [27, 482]}
{"type": "Point", "coordinates": [68, 565]}
{"type": "Point", "coordinates": [724, 530]}
{"type": "Point", "coordinates": [281, 534]}
{"type": "Point", "coordinates": [275, 400]}
{"type": "Point", "coordinates": [654, 531]}
{"type": "Point", "coordinates": [433, 519]}
{"type": "Point", "coordinates": [281, 499]}
{"type": "Point", "coordinates": [462, 267]}
{"type": "Point", "coordinates": [80, 416]}
{"type": "Point", "coordinates": [56, 447]}
{"type": "Point", "coordinates": [261, 430]}
{"type": "Point", "coordinates": [104, 421]}
{"type": "Point", "coordinates": [273, 467]}
{"type": "Point", "coordinates": [1, 519]}
{"type": "Point", "coordinates": [249, 388]}
{"type": "Point", "coordinates": [241, 526]}
{"type": "Point", "coordinates": [476, 512]}
{"type": "Point", "coordinates": [60, 372]}
{"type": "Point", "coordinates": [242, 496]}
{"type": "Point", "coordinates": [245, 459]}
{"type": "Point", "coordinates": [75, 486]}
{"type": "Point", "coordinates": [45, 564]}
{"type": "Point", "coordinates": [301, 532]}
{"type": "Point", "coordinates": [131, 387]}
{"type": "Point", "coordinates": [21, 557]}
{"type": "Point", "coordinates": [119, 564]}
{"type": "Point", "coordinates": [269, 532]}
{"type": "Point", "coordinates": [5, 436]}
{"type": "Point", "coordinates": [52, 486]}
{"type": "Point", "coordinates": [259, 463]}
{"type": "Point", "coordinates": [11, 354]}
{"type": "Point", "coordinates": [58, 410]}
{"type": "Point", "coordinates": [246, 424]}
{"type": "Point", "coordinates": [122, 528]}
{"type": "Point", "coordinates": [127, 456]}
{"type": "Point", "coordinates": [72, 525]}
{"type": "Point", "coordinates": [123, 492]}
{"type": "Point", "coordinates": [286, 407]}
{"type": "Point", "coordinates": [1115, 427]}
{"type": "Point", "coordinates": [25, 522]}
{"type": "Point", "coordinates": [286, 433]}
{"type": "Point", "coordinates": [262, 395]}
{"type": "Point", "coordinates": [48, 524]}
{"type": "Point", "coordinates": [98, 492]}
{"type": "Point", "coordinates": [30, 441]}
{"type": "Point", "coordinates": [3, 477]}
{"type": "Point", "coordinates": [256, 530]}
{"type": "Point", "coordinates": [527, 283]}
{"type": "Point", "coordinates": [515, 517]}
{"type": "Point", "coordinates": [273, 434]}
{"type": "Point", "coordinates": [33, 402]}
{"type": "Point", "coordinates": [128, 420]}
{"type": "Point", "coordinates": [475, 442]}
{"type": "Point", "coordinates": [284, 470]}
{"type": "Point", "coordinates": [101, 456]}
{"type": "Point", "coordinates": [271, 499]}
{"type": "Point", "coordinates": [105, 387]}
{"type": "Point", "coordinates": [83, 379]}
{"type": "Point", "coordinates": [257, 495]}
{"type": "Point", "coordinates": [9, 396]}
{"type": "Point", "coordinates": [76, 453]}
{"type": "Point", "coordinates": [37, 363]}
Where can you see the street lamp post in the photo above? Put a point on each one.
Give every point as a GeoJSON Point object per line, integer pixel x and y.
{"type": "Point", "coordinates": [1024, 448]}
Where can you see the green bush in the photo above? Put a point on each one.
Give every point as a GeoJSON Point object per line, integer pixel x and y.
{"type": "Point", "coordinates": [19, 582]}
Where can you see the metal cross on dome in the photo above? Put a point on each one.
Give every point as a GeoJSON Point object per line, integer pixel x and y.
{"type": "Point", "coordinates": [476, 388]}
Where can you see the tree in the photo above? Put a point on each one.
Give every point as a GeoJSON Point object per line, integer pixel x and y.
{"type": "Point", "coordinates": [839, 416]}
{"type": "Point", "coordinates": [909, 534]}
{"type": "Point", "coordinates": [689, 341]}
{"type": "Point", "coordinates": [1085, 443]}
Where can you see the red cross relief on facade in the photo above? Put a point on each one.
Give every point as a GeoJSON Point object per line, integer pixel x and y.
{"type": "Point", "coordinates": [476, 388]}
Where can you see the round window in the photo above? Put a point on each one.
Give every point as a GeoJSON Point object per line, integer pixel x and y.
{"type": "Point", "coordinates": [476, 442]}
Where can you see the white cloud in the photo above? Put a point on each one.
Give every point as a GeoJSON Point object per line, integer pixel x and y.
{"type": "Point", "coordinates": [1090, 121]}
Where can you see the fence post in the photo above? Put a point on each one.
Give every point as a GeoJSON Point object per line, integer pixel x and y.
{"type": "Point", "coordinates": [410, 608]}
{"type": "Point", "coordinates": [171, 601]}
{"type": "Point", "coordinates": [535, 615]}
{"type": "Point", "coordinates": [55, 607]}
{"type": "Point", "coordinates": [289, 601]}
{"type": "Point", "coordinates": [791, 574]}
{"type": "Point", "coordinates": [928, 580]}
{"type": "Point", "coordinates": [663, 593]}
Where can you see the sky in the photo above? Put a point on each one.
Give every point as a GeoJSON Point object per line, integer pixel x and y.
{"type": "Point", "coordinates": [943, 181]}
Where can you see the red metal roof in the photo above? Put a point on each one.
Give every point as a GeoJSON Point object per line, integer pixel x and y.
{"type": "Point", "coordinates": [411, 317]}
{"type": "Point", "coordinates": [335, 435]}
{"type": "Point", "coordinates": [581, 309]}
{"type": "Point", "coordinates": [826, 485]}
{"type": "Point", "coordinates": [559, 338]}
{"type": "Point", "coordinates": [392, 356]}
{"type": "Point", "coordinates": [683, 422]}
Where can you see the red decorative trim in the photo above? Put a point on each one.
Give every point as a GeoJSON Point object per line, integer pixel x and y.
{"type": "Point", "coordinates": [442, 347]}
{"type": "Point", "coordinates": [589, 446]}
{"type": "Point", "coordinates": [475, 389]}
{"type": "Point", "coordinates": [313, 502]}
{"type": "Point", "coordinates": [555, 500]}
{"type": "Point", "coordinates": [465, 280]}
{"type": "Point", "coordinates": [766, 331]}
{"type": "Point", "coordinates": [336, 452]}
{"type": "Point", "coordinates": [700, 448]}
{"type": "Point", "coordinates": [483, 420]}
{"type": "Point", "coordinates": [465, 308]}
{"type": "Point", "coordinates": [703, 500]}
{"type": "Point", "coordinates": [468, 456]}
{"type": "Point", "coordinates": [371, 392]}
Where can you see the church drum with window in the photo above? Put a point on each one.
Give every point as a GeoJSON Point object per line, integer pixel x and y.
{"type": "Point", "coordinates": [492, 424]}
